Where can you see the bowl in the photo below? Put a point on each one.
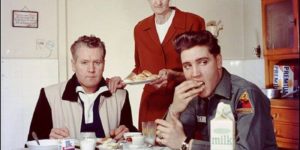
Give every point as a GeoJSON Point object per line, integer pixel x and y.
{"type": "Point", "coordinates": [273, 93]}
{"type": "Point", "coordinates": [45, 144]}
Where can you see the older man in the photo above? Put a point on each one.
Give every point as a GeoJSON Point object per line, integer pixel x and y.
{"type": "Point", "coordinates": [83, 103]}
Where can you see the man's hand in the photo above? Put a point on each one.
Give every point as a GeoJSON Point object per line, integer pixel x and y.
{"type": "Point", "coordinates": [117, 134]}
{"type": "Point", "coordinates": [184, 93]}
{"type": "Point", "coordinates": [115, 83]}
{"type": "Point", "coordinates": [170, 133]}
{"type": "Point", "coordinates": [59, 133]}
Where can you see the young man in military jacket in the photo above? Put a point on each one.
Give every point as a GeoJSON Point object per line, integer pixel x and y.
{"type": "Point", "coordinates": [195, 100]}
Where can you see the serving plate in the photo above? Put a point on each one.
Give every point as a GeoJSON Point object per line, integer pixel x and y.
{"type": "Point", "coordinates": [132, 82]}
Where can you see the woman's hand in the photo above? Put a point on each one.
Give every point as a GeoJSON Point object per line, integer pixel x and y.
{"type": "Point", "coordinates": [162, 80]}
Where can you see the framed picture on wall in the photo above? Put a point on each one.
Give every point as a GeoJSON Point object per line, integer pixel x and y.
{"type": "Point", "coordinates": [25, 19]}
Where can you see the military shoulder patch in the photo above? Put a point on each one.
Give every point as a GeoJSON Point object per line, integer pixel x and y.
{"type": "Point", "coordinates": [244, 104]}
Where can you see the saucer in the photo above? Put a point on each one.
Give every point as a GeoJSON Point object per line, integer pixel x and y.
{"type": "Point", "coordinates": [129, 146]}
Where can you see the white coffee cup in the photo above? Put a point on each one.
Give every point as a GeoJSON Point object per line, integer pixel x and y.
{"type": "Point", "coordinates": [88, 144]}
{"type": "Point", "coordinates": [138, 140]}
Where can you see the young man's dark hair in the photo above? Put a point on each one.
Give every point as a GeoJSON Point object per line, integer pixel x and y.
{"type": "Point", "coordinates": [190, 39]}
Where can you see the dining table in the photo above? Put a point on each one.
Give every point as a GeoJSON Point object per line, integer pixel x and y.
{"type": "Point", "coordinates": [123, 147]}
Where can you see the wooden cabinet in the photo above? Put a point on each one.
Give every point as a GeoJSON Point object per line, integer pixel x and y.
{"type": "Point", "coordinates": [285, 115]}
{"type": "Point", "coordinates": [280, 23]}
{"type": "Point", "coordinates": [280, 34]}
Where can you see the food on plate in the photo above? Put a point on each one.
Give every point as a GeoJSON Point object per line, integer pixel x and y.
{"type": "Point", "coordinates": [101, 140]}
{"type": "Point", "coordinates": [147, 73]}
{"type": "Point", "coordinates": [139, 77]}
{"type": "Point", "coordinates": [109, 143]}
{"type": "Point", "coordinates": [144, 75]}
{"type": "Point", "coordinates": [104, 140]}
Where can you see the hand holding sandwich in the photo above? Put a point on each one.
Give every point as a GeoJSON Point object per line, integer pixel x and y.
{"type": "Point", "coordinates": [184, 93]}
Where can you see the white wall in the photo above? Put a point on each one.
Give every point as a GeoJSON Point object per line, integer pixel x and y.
{"type": "Point", "coordinates": [30, 43]}
{"type": "Point", "coordinates": [113, 21]}
{"type": "Point", "coordinates": [250, 69]}
{"type": "Point", "coordinates": [252, 22]}
{"type": "Point", "coordinates": [230, 12]}
{"type": "Point", "coordinates": [19, 92]}
{"type": "Point", "coordinates": [26, 67]}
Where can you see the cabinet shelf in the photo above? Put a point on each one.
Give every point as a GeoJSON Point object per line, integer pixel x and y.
{"type": "Point", "coordinates": [282, 56]}
{"type": "Point", "coordinates": [290, 103]}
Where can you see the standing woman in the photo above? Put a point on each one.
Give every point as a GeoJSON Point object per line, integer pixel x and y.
{"type": "Point", "coordinates": [154, 51]}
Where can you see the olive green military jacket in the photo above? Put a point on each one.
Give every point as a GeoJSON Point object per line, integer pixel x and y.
{"type": "Point", "coordinates": [251, 109]}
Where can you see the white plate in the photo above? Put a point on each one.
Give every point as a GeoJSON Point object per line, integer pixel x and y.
{"type": "Point", "coordinates": [45, 144]}
{"type": "Point", "coordinates": [128, 146]}
{"type": "Point", "coordinates": [127, 81]}
{"type": "Point", "coordinates": [102, 147]}
{"type": "Point", "coordinates": [77, 142]}
{"type": "Point", "coordinates": [131, 134]}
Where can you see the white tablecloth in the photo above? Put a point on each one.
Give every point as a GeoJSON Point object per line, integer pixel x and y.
{"type": "Point", "coordinates": [126, 147]}
{"type": "Point", "coordinates": [151, 148]}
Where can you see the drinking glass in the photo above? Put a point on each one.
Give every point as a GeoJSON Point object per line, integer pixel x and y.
{"type": "Point", "coordinates": [85, 135]}
{"type": "Point", "coordinates": [87, 141]}
{"type": "Point", "coordinates": [149, 129]}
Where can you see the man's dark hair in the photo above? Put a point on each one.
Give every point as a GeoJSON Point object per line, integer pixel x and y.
{"type": "Point", "coordinates": [190, 39]}
{"type": "Point", "coordinates": [89, 41]}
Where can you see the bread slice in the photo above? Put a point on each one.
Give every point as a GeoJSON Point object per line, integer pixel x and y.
{"type": "Point", "coordinates": [139, 77]}
{"type": "Point", "coordinates": [144, 75]}
{"type": "Point", "coordinates": [147, 73]}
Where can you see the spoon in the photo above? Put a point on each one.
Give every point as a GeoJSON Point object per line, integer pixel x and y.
{"type": "Point", "coordinates": [35, 137]}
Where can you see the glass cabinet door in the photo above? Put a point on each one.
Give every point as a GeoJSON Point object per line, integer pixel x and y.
{"type": "Point", "coordinates": [280, 25]}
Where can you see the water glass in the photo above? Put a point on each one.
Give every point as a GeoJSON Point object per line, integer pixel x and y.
{"type": "Point", "coordinates": [87, 141]}
{"type": "Point", "coordinates": [84, 135]}
{"type": "Point", "coordinates": [88, 144]}
{"type": "Point", "coordinates": [149, 132]}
